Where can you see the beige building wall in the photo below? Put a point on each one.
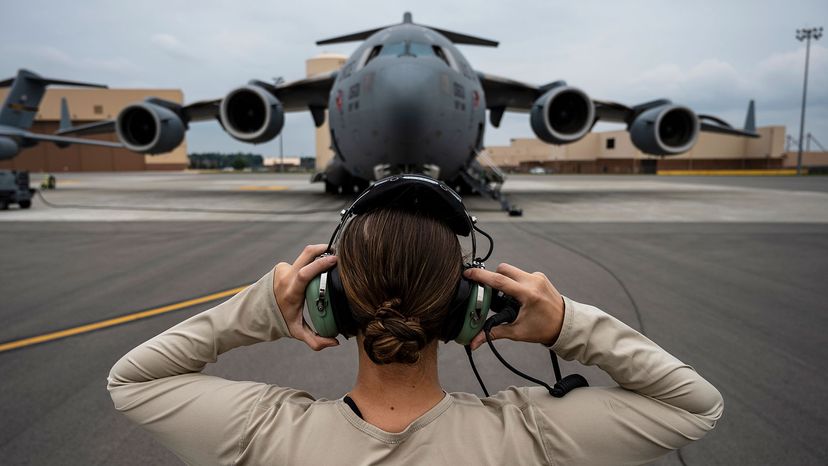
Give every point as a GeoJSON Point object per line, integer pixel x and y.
{"type": "Point", "coordinates": [324, 63]}
{"type": "Point", "coordinates": [87, 105]}
{"type": "Point", "coordinates": [770, 144]}
{"type": "Point", "coordinates": [809, 159]}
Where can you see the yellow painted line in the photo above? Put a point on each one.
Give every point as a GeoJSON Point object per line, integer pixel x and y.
{"type": "Point", "coordinates": [263, 188]}
{"type": "Point", "coordinates": [116, 320]}
{"type": "Point", "coordinates": [772, 172]}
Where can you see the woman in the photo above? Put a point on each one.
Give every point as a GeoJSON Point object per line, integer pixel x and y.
{"type": "Point", "coordinates": [400, 270]}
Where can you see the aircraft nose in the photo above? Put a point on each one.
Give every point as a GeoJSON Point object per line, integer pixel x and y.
{"type": "Point", "coordinates": [407, 101]}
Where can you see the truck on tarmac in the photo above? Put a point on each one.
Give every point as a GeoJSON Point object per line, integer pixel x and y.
{"type": "Point", "coordinates": [15, 189]}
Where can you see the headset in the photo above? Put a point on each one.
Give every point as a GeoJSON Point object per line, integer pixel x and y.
{"type": "Point", "coordinates": [328, 306]}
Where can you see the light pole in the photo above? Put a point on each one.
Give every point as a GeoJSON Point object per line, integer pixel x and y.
{"type": "Point", "coordinates": [806, 35]}
{"type": "Point", "coordinates": [281, 153]}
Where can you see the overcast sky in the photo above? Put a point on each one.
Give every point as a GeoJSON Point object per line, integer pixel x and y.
{"type": "Point", "coordinates": [713, 56]}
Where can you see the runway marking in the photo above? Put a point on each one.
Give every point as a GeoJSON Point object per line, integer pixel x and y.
{"type": "Point", "coordinates": [263, 188]}
{"type": "Point", "coordinates": [46, 337]}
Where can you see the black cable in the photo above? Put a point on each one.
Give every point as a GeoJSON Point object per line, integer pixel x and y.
{"type": "Point", "coordinates": [511, 368]}
{"type": "Point", "coordinates": [474, 368]}
{"type": "Point", "coordinates": [184, 209]}
{"type": "Point", "coordinates": [555, 366]}
{"type": "Point", "coordinates": [618, 280]}
{"type": "Point", "coordinates": [491, 243]}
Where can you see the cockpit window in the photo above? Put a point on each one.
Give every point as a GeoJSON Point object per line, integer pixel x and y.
{"type": "Point", "coordinates": [440, 54]}
{"type": "Point", "coordinates": [374, 52]}
{"type": "Point", "coordinates": [408, 49]}
{"type": "Point", "coordinates": [419, 49]}
{"type": "Point", "coordinates": [396, 49]}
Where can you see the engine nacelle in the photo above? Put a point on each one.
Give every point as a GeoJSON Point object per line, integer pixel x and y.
{"type": "Point", "coordinates": [252, 114]}
{"type": "Point", "coordinates": [665, 130]}
{"type": "Point", "coordinates": [563, 115]}
{"type": "Point", "coordinates": [148, 128]}
{"type": "Point", "coordinates": [8, 148]}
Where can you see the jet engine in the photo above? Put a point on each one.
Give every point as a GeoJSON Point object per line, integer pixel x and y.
{"type": "Point", "coordinates": [665, 130]}
{"type": "Point", "coordinates": [149, 128]}
{"type": "Point", "coordinates": [252, 114]}
{"type": "Point", "coordinates": [8, 148]}
{"type": "Point", "coordinates": [562, 115]}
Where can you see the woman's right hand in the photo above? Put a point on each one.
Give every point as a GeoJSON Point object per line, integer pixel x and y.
{"type": "Point", "coordinates": [542, 308]}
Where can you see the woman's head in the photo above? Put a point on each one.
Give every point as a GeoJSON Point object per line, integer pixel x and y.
{"type": "Point", "coordinates": [400, 272]}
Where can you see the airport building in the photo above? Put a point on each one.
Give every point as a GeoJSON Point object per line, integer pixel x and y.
{"type": "Point", "coordinates": [614, 152]}
{"type": "Point", "coordinates": [87, 106]}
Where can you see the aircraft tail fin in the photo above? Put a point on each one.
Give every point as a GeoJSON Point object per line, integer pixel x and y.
{"type": "Point", "coordinates": [750, 118]}
{"type": "Point", "coordinates": [65, 118]}
{"type": "Point", "coordinates": [456, 37]}
{"type": "Point", "coordinates": [23, 100]}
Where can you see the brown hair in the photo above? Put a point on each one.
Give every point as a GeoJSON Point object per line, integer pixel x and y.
{"type": "Point", "coordinates": [400, 272]}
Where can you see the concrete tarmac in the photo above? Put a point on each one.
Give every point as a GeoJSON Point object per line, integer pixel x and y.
{"type": "Point", "coordinates": [737, 296]}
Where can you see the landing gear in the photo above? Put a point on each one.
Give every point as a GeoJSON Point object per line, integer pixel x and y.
{"type": "Point", "coordinates": [476, 178]}
{"type": "Point", "coordinates": [359, 185]}
{"type": "Point", "coordinates": [331, 188]}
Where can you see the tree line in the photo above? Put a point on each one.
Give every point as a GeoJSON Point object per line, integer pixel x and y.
{"type": "Point", "coordinates": [218, 160]}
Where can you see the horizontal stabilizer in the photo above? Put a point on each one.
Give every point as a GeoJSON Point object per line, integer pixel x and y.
{"type": "Point", "coordinates": [459, 38]}
{"type": "Point", "coordinates": [456, 37]}
{"type": "Point", "coordinates": [362, 35]}
{"type": "Point", "coordinates": [711, 124]}
{"type": "Point", "coordinates": [33, 77]}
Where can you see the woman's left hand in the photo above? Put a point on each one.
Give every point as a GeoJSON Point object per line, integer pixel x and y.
{"type": "Point", "coordinates": [289, 283]}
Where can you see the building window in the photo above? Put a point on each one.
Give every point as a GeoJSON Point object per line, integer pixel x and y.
{"type": "Point", "coordinates": [98, 109]}
{"type": "Point", "coordinates": [610, 143]}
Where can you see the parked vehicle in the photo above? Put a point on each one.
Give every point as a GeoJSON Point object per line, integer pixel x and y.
{"type": "Point", "coordinates": [15, 189]}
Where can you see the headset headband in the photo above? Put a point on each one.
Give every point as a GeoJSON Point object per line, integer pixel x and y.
{"type": "Point", "coordinates": [414, 193]}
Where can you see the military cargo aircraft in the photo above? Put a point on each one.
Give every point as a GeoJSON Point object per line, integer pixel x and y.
{"type": "Point", "coordinates": [407, 100]}
{"type": "Point", "coordinates": [20, 107]}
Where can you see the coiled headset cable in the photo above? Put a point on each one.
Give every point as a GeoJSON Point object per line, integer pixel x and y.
{"type": "Point", "coordinates": [506, 308]}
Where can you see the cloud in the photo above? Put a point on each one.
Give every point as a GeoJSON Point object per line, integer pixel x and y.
{"type": "Point", "coordinates": [173, 47]}
{"type": "Point", "coordinates": [715, 85]}
{"type": "Point", "coordinates": [53, 57]}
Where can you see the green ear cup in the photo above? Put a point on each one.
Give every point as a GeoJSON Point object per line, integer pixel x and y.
{"type": "Point", "coordinates": [475, 316]}
{"type": "Point", "coordinates": [320, 311]}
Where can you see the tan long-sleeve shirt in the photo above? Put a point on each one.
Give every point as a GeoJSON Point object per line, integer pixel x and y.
{"type": "Point", "coordinates": [660, 404]}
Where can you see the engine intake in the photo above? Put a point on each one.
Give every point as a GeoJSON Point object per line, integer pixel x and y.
{"type": "Point", "coordinates": [563, 115]}
{"type": "Point", "coordinates": [665, 130]}
{"type": "Point", "coordinates": [148, 128]}
{"type": "Point", "coordinates": [252, 114]}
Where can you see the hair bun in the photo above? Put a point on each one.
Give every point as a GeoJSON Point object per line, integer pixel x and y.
{"type": "Point", "coordinates": [392, 337]}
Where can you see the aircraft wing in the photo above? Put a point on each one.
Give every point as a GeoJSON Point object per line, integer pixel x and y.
{"type": "Point", "coordinates": [98, 127]}
{"type": "Point", "coordinates": [304, 94]}
{"type": "Point", "coordinates": [27, 135]}
{"type": "Point", "coordinates": [507, 94]}
{"type": "Point", "coordinates": [295, 96]}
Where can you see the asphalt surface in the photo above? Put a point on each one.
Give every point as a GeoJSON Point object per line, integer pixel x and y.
{"type": "Point", "coordinates": [742, 302]}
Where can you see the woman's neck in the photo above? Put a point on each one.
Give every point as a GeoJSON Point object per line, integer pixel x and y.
{"type": "Point", "coordinates": [392, 396]}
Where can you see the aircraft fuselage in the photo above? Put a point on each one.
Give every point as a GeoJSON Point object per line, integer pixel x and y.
{"type": "Point", "coordinates": [406, 101]}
